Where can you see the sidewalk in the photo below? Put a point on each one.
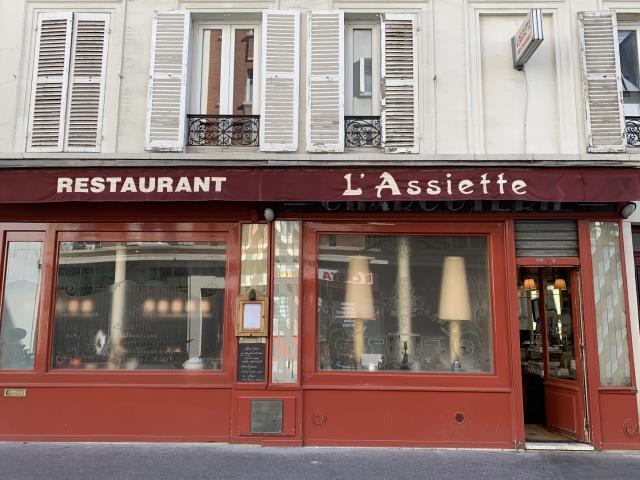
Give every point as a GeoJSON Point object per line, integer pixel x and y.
{"type": "Point", "coordinates": [96, 461]}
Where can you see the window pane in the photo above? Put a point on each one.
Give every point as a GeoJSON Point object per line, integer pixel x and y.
{"type": "Point", "coordinates": [286, 301]}
{"type": "Point", "coordinates": [212, 61]}
{"type": "Point", "coordinates": [611, 319]}
{"type": "Point", "coordinates": [362, 71]}
{"type": "Point", "coordinates": [636, 242]}
{"type": "Point", "coordinates": [558, 307]}
{"type": "Point", "coordinates": [140, 305]}
{"type": "Point", "coordinates": [20, 305]}
{"type": "Point", "coordinates": [254, 261]}
{"type": "Point", "coordinates": [243, 72]}
{"type": "Point", "coordinates": [411, 303]}
{"type": "Point", "coordinates": [630, 74]}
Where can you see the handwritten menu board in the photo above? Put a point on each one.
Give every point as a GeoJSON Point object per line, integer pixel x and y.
{"type": "Point", "coordinates": [251, 362]}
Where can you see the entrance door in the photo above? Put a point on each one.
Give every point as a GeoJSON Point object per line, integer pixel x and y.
{"type": "Point", "coordinates": [551, 354]}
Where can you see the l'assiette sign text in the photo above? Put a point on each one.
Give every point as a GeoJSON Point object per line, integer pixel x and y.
{"type": "Point", "coordinates": [318, 184]}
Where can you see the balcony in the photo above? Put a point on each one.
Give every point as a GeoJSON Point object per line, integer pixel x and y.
{"type": "Point", "coordinates": [632, 131]}
{"type": "Point", "coordinates": [223, 130]}
{"type": "Point", "coordinates": [362, 131]}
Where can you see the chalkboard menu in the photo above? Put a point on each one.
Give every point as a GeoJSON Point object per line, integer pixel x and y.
{"type": "Point", "coordinates": [251, 362]}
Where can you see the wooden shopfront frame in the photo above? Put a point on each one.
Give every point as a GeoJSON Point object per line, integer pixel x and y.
{"type": "Point", "coordinates": [611, 412]}
{"type": "Point", "coordinates": [457, 409]}
{"type": "Point", "coordinates": [75, 397]}
{"type": "Point", "coordinates": [122, 405]}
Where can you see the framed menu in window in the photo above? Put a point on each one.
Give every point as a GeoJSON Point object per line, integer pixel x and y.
{"type": "Point", "coordinates": [252, 318]}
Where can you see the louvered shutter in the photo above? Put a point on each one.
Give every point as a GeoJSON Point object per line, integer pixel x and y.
{"type": "Point", "coordinates": [50, 77]}
{"type": "Point", "coordinates": [166, 104]}
{"type": "Point", "coordinates": [280, 72]}
{"type": "Point", "coordinates": [399, 83]}
{"type": "Point", "coordinates": [601, 82]}
{"type": "Point", "coordinates": [87, 79]}
{"type": "Point", "coordinates": [325, 82]}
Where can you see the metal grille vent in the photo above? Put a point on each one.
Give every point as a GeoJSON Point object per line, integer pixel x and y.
{"type": "Point", "coordinates": [547, 238]}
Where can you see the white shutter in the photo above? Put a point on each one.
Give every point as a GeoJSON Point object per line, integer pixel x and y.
{"type": "Point", "coordinates": [50, 77]}
{"type": "Point", "coordinates": [601, 82]}
{"type": "Point", "coordinates": [325, 82]}
{"type": "Point", "coordinates": [166, 104]}
{"type": "Point", "coordinates": [399, 83]}
{"type": "Point", "coordinates": [280, 72]}
{"type": "Point", "coordinates": [87, 79]}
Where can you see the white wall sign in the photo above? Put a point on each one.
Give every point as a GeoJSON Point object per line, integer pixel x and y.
{"type": "Point", "coordinates": [527, 39]}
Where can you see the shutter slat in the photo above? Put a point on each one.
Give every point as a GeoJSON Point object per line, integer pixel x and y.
{"type": "Point", "coordinates": [399, 83]}
{"type": "Point", "coordinates": [325, 82]}
{"type": "Point", "coordinates": [87, 80]}
{"type": "Point", "coordinates": [50, 77]}
{"type": "Point", "coordinates": [601, 80]}
{"type": "Point", "coordinates": [280, 71]}
{"type": "Point", "coordinates": [166, 104]}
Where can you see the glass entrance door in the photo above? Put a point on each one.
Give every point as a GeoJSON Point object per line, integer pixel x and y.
{"type": "Point", "coordinates": [550, 339]}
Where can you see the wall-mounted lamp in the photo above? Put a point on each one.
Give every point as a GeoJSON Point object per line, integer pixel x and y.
{"type": "Point", "coordinates": [269, 214]}
{"type": "Point", "coordinates": [529, 284]}
{"type": "Point", "coordinates": [628, 209]}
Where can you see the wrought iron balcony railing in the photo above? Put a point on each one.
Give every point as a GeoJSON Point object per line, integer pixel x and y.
{"type": "Point", "coordinates": [632, 129]}
{"type": "Point", "coordinates": [362, 131]}
{"type": "Point", "coordinates": [223, 130]}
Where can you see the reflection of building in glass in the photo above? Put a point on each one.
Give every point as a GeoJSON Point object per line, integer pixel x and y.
{"type": "Point", "coordinates": [157, 304]}
{"type": "Point", "coordinates": [390, 342]}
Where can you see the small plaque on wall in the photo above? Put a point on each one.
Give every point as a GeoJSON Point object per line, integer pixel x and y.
{"type": "Point", "coordinates": [266, 416]}
{"type": "Point", "coordinates": [251, 362]}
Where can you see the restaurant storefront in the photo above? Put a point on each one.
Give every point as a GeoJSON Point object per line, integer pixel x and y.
{"type": "Point", "coordinates": [417, 307]}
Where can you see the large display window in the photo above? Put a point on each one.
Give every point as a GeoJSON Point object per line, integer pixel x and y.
{"type": "Point", "coordinates": [112, 303]}
{"type": "Point", "coordinates": [412, 303]}
{"type": "Point", "coordinates": [405, 304]}
{"type": "Point", "coordinates": [139, 305]}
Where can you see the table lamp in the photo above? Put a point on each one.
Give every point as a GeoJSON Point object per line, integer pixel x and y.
{"type": "Point", "coordinates": [360, 297]}
{"type": "Point", "coordinates": [454, 304]}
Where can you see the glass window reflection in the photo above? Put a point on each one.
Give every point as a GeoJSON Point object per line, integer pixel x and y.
{"type": "Point", "coordinates": [404, 303]}
{"type": "Point", "coordinates": [140, 305]}
{"type": "Point", "coordinates": [20, 305]}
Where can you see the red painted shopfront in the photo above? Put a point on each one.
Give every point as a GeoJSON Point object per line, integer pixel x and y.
{"type": "Point", "coordinates": [402, 307]}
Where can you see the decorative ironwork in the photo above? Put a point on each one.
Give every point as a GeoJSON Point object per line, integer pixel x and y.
{"type": "Point", "coordinates": [224, 130]}
{"type": "Point", "coordinates": [362, 131]}
{"type": "Point", "coordinates": [632, 129]}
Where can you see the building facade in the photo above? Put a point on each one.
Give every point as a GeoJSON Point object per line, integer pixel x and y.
{"type": "Point", "coordinates": [320, 223]}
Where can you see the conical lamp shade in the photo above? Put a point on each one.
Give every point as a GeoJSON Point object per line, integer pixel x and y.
{"type": "Point", "coordinates": [560, 284]}
{"type": "Point", "coordinates": [359, 291]}
{"type": "Point", "coordinates": [454, 293]}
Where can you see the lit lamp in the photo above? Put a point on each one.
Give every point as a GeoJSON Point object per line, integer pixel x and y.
{"type": "Point", "coordinates": [529, 284]}
{"type": "Point", "coordinates": [454, 304]}
{"type": "Point", "coordinates": [560, 284]}
{"type": "Point", "coordinates": [360, 297]}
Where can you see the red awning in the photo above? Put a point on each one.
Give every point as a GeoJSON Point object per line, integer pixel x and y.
{"type": "Point", "coordinates": [319, 184]}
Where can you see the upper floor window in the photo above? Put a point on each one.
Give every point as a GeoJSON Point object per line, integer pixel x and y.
{"type": "Point", "coordinates": [227, 81]}
{"type": "Point", "coordinates": [628, 36]}
{"type": "Point", "coordinates": [68, 82]}
{"type": "Point", "coordinates": [363, 68]}
{"type": "Point", "coordinates": [225, 96]}
{"type": "Point", "coordinates": [371, 61]}
{"type": "Point", "coordinates": [630, 73]}
{"type": "Point", "coordinates": [229, 85]}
